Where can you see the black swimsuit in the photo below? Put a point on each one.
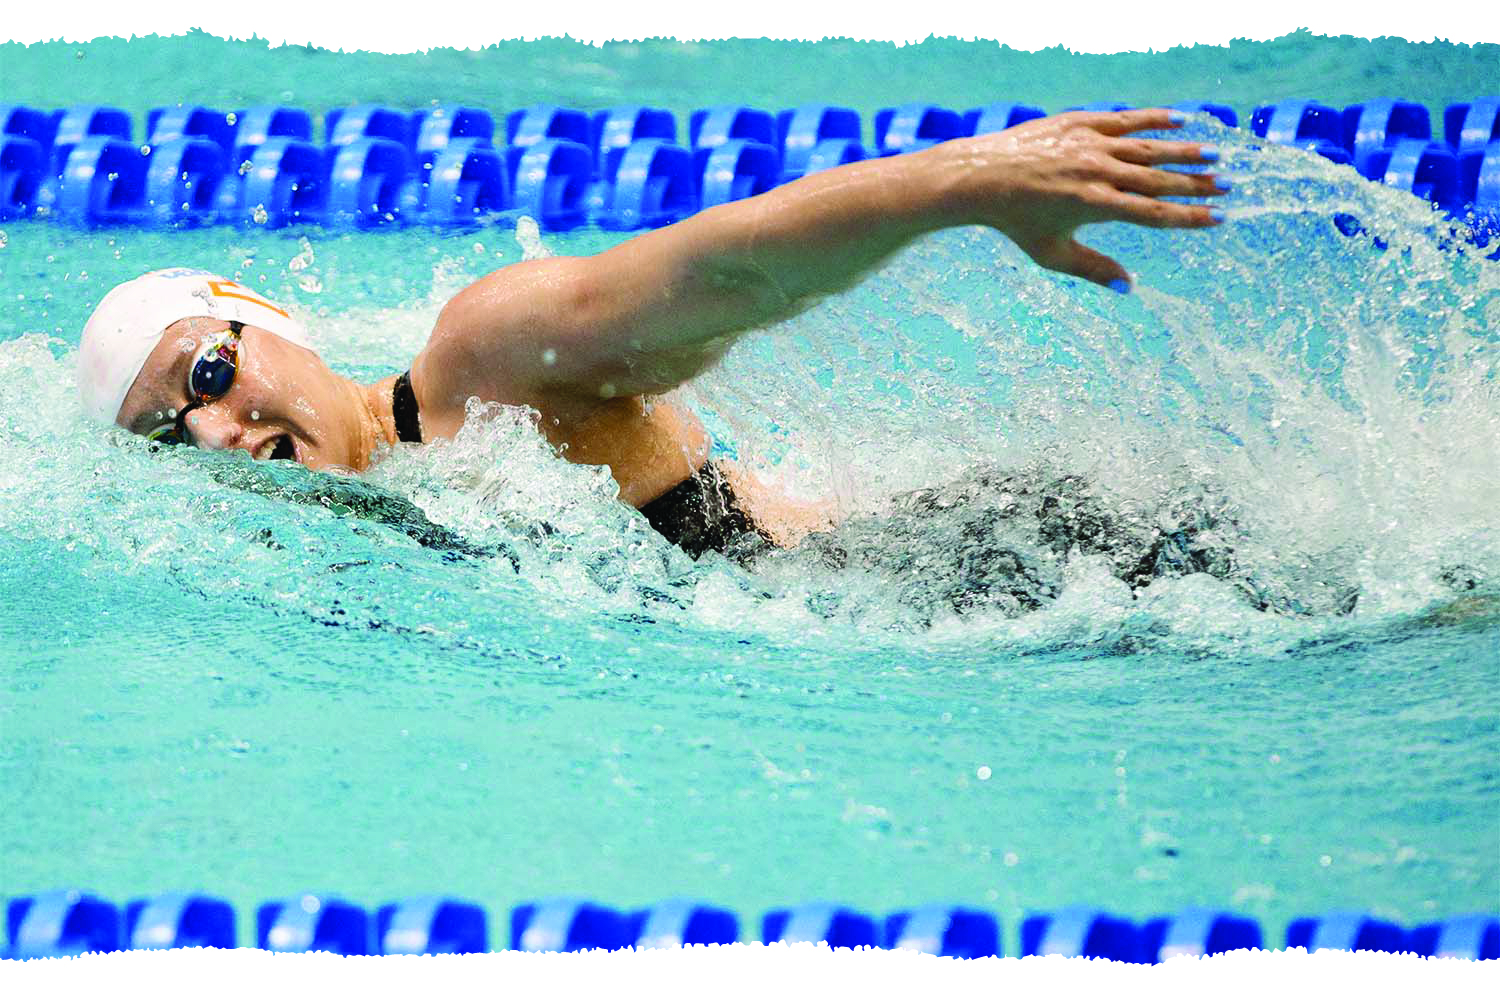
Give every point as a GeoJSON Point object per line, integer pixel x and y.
{"type": "Point", "coordinates": [700, 514]}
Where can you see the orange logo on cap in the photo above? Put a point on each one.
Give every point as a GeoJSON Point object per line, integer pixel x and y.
{"type": "Point", "coordinates": [234, 290]}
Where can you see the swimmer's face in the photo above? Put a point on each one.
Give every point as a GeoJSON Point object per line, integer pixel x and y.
{"type": "Point", "coordinates": [284, 402]}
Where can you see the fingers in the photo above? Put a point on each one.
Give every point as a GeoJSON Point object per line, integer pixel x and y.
{"type": "Point", "coordinates": [1155, 152]}
{"type": "Point", "coordinates": [1142, 210]}
{"type": "Point", "coordinates": [1072, 257]}
{"type": "Point", "coordinates": [1124, 122]}
{"type": "Point", "coordinates": [1160, 183]}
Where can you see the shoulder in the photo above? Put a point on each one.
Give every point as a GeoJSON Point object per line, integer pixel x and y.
{"type": "Point", "coordinates": [499, 338]}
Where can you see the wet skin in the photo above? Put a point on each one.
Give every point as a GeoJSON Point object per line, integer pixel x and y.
{"type": "Point", "coordinates": [590, 343]}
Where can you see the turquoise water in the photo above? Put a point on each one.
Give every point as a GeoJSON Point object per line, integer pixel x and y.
{"type": "Point", "coordinates": [209, 681]}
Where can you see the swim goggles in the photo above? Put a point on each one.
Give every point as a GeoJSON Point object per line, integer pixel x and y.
{"type": "Point", "coordinates": [211, 377]}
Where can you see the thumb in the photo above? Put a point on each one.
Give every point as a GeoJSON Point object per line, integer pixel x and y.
{"type": "Point", "coordinates": [1072, 257]}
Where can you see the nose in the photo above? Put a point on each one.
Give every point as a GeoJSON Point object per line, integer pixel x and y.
{"type": "Point", "coordinates": [214, 427]}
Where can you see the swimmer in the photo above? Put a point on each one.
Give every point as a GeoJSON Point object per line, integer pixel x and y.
{"type": "Point", "coordinates": [590, 343]}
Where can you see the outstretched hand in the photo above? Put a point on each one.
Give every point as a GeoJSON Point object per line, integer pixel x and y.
{"type": "Point", "coordinates": [1039, 181]}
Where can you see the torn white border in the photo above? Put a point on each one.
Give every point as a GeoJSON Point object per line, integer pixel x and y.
{"type": "Point", "coordinates": [1099, 26]}
{"type": "Point", "coordinates": [1081, 25]}
{"type": "Point", "coordinates": [746, 970]}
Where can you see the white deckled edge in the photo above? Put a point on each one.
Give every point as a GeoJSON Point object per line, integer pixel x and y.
{"type": "Point", "coordinates": [1080, 25]}
{"type": "Point", "coordinates": [744, 970]}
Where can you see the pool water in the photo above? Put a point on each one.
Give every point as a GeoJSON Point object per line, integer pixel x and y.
{"type": "Point", "coordinates": [212, 679]}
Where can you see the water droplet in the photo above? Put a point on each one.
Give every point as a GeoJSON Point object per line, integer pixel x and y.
{"type": "Point", "coordinates": [4, 240]}
{"type": "Point", "coordinates": [231, 118]}
{"type": "Point", "coordinates": [254, 414]}
{"type": "Point", "coordinates": [984, 772]}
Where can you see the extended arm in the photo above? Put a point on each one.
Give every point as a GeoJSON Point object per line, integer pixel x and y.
{"type": "Point", "coordinates": [656, 310]}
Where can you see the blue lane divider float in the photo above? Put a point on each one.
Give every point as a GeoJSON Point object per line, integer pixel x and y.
{"type": "Point", "coordinates": [679, 922]}
{"type": "Point", "coordinates": [313, 922]}
{"type": "Point", "coordinates": [431, 925]}
{"type": "Point", "coordinates": [71, 922]}
{"type": "Point", "coordinates": [23, 165]}
{"type": "Point", "coordinates": [999, 117]}
{"type": "Point", "coordinates": [568, 167]}
{"type": "Point", "coordinates": [530, 126]}
{"type": "Point", "coordinates": [463, 183]}
{"type": "Point", "coordinates": [1344, 931]}
{"type": "Point", "coordinates": [61, 923]}
{"type": "Point", "coordinates": [735, 153]}
{"type": "Point", "coordinates": [1102, 106]}
{"type": "Point", "coordinates": [551, 181]}
{"type": "Point", "coordinates": [948, 931]}
{"type": "Point", "coordinates": [190, 121]}
{"type": "Point", "coordinates": [568, 924]}
{"type": "Point", "coordinates": [178, 920]}
{"type": "Point", "coordinates": [1079, 932]}
{"type": "Point", "coordinates": [283, 185]}
{"type": "Point", "coordinates": [1383, 122]}
{"type": "Point", "coordinates": [913, 127]}
{"type": "Point", "coordinates": [1305, 124]}
{"type": "Point", "coordinates": [103, 181]}
{"type": "Point", "coordinates": [1198, 931]}
{"type": "Point", "coordinates": [1473, 936]}
{"type": "Point", "coordinates": [814, 923]}
{"type": "Point", "coordinates": [1480, 173]}
{"type": "Point", "coordinates": [368, 121]}
{"type": "Point", "coordinates": [614, 129]}
{"type": "Point", "coordinates": [1428, 170]}
{"type": "Point", "coordinates": [365, 176]}
{"type": "Point", "coordinates": [254, 127]}
{"type": "Point", "coordinates": [1222, 112]}
{"type": "Point", "coordinates": [435, 129]}
{"type": "Point", "coordinates": [30, 123]}
{"type": "Point", "coordinates": [647, 184]}
{"type": "Point", "coordinates": [1472, 125]}
{"type": "Point", "coordinates": [715, 126]}
{"type": "Point", "coordinates": [737, 169]}
{"type": "Point", "coordinates": [816, 136]}
{"type": "Point", "coordinates": [84, 121]}
{"type": "Point", "coordinates": [183, 175]}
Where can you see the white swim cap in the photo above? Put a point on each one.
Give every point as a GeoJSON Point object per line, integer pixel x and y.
{"type": "Point", "coordinates": [128, 323]}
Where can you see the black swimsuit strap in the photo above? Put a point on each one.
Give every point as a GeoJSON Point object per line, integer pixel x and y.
{"type": "Point", "coordinates": [404, 409]}
{"type": "Point", "coordinates": [701, 513]}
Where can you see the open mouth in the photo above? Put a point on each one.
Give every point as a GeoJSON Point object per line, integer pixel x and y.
{"type": "Point", "coordinates": [283, 450]}
{"type": "Point", "coordinates": [279, 448]}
